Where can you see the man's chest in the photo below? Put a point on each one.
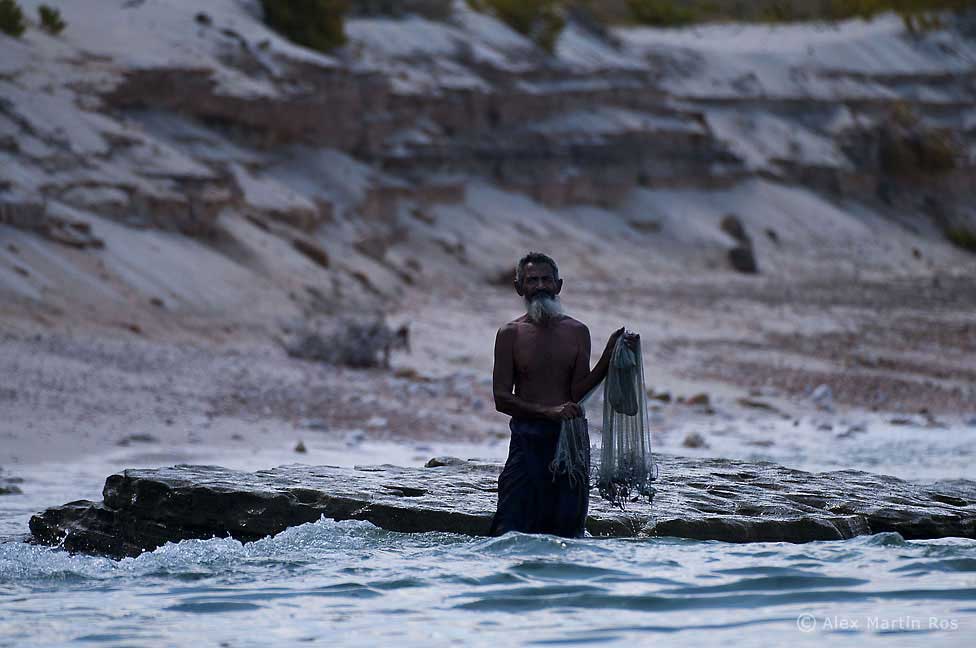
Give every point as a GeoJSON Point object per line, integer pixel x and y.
{"type": "Point", "coordinates": [545, 354]}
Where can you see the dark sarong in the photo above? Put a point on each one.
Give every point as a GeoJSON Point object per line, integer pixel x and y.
{"type": "Point", "coordinates": [528, 499]}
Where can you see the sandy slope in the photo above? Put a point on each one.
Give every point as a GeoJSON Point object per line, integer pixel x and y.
{"type": "Point", "coordinates": [168, 328]}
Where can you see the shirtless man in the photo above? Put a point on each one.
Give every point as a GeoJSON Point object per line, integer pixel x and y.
{"type": "Point", "coordinates": [542, 371]}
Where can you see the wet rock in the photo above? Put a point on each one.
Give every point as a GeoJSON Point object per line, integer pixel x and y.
{"type": "Point", "coordinates": [715, 499]}
{"type": "Point", "coordinates": [699, 399]}
{"type": "Point", "coordinates": [694, 440]}
{"type": "Point", "coordinates": [857, 428]}
{"type": "Point", "coordinates": [8, 485]}
{"type": "Point", "coordinates": [664, 397]}
{"type": "Point", "coordinates": [752, 403]}
{"type": "Point", "coordinates": [137, 438]}
{"type": "Point", "coordinates": [436, 462]}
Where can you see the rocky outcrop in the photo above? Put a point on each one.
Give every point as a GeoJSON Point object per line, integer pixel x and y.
{"type": "Point", "coordinates": [706, 499]}
{"type": "Point", "coordinates": [9, 485]}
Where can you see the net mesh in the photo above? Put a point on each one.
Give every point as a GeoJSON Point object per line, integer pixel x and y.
{"type": "Point", "coordinates": [626, 463]}
{"type": "Point", "coordinates": [626, 467]}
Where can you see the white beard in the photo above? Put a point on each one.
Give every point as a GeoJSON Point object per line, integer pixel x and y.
{"type": "Point", "coordinates": [543, 309]}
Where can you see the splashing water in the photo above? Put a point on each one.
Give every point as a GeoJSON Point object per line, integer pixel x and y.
{"type": "Point", "coordinates": [353, 583]}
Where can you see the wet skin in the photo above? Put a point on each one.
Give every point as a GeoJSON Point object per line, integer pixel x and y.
{"type": "Point", "coordinates": [543, 370]}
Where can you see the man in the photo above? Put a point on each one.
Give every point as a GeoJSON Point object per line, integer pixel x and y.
{"type": "Point", "coordinates": [542, 371]}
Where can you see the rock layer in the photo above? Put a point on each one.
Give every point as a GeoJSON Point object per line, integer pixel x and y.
{"type": "Point", "coordinates": [704, 499]}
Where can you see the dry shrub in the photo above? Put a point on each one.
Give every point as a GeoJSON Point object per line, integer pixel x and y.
{"type": "Point", "coordinates": [357, 343]}
{"type": "Point", "coordinates": [929, 152]}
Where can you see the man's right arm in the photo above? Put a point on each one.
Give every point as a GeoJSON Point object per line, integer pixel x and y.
{"type": "Point", "coordinates": [503, 383]}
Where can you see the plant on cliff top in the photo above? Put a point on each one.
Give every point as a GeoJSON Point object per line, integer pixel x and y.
{"type": "Point", "coordinates": [540, 20]}
{"type": "Point", "coordinates": [962, 237]}
{"type": "Point", "coordinates": [51, 20]}
{"type": "Point", "coordinates": [663, 13]}
{"type": "Point", "coordinates": [12, 18]}
{"type": "Point", "coordinates": [316, 24]}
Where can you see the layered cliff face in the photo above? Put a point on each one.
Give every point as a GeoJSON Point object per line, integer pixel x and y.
{"type": "Point", "coordinates": [188, 157]}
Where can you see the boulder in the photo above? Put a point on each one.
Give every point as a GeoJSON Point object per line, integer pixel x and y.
{"type": "Point", "coordinates": [704, 499]}
{"type": "Point", "coordinates": [731, 225]}
{"type": "Point", "coordinates": [742, 259]}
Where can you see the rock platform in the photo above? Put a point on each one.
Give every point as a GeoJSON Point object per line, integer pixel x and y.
{"type": "Point", "coordinates": [704, 499]}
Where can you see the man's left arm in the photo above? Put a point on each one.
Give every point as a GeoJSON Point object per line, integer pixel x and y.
{"type": "Point", "coordinates": [583, 378]}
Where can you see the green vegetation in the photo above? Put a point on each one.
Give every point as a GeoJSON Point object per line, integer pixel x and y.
{"type": "Point", "coordinates": [12, 20]}
{"type": "Point", "coordinates": [51, 20]}
{"type": "Point", "coordinates": [666, 13]}
{"type": "Point", "coordinates": [929, 152]}
{"type": "Point", "coordinates": [962, 237]}
{"type": "Point", "coordinates": [908, 148]}
{"type": "Point", "coordinates": [316, 24]}
{"type": "Point", "coordinates": [540, 20]}
{"type": "Point", "coordinates": [936, 152]}
{"type": "Point", "coordinates": [544, 19]}
{"type": "Point", "coordinates": [918, 15]}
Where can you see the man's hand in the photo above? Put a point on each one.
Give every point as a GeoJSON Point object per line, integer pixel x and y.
{"type": "Point", "coordinates": [612, 342]}
{"type": "Point", "coordinates": [565, 411]}
{"type": "Point", "coordinates": [630, 339]}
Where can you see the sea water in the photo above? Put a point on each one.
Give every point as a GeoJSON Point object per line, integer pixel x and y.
{"type": "Point", "coordinates": [350, 583]}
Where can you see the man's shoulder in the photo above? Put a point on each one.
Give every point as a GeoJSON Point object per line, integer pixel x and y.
{"type": "Point", "coordinates": [573, 324]}
{"type": "Point", "coordinates": [510, 327]}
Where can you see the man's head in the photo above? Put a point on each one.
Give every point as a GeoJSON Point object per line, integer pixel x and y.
{"type": "Point", "coordinates": [537, 281]}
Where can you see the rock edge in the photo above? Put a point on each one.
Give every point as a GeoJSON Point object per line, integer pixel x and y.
{"type": "Point", "coordinates": [703, 499]}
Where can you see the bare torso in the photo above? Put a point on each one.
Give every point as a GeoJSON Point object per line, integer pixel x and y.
{"type": "Point", "coordinates": [541, 370]}
{"type": "Point", "coordinates": [544, 359]}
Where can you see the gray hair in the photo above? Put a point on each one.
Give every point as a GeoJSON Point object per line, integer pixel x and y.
{"type": "Point", "coordinates": [535, 257]}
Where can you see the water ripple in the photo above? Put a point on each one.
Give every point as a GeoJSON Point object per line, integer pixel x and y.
{"type": "Point", "coordinates": [370, 586]}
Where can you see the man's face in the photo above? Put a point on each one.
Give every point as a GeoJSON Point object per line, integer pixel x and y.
{"type": "Point", "coordinates": [538, 280]}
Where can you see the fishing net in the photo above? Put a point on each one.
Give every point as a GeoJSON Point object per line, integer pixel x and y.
{"type": "Point", "coordinates": [627, 466]}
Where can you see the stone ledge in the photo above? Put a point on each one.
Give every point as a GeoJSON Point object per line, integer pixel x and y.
{"type": "Point", "coordinates": [704, 499]}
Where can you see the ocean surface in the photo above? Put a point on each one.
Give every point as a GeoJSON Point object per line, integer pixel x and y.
{"type": "Point", "coordinates": [352, 584]}
{"type": "Point", "coordinates": [349, 583]}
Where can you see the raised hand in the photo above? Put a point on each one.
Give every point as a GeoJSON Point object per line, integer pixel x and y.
{"type": "Point", "coordinates": [612, 342]}
{"type": "Point", "coordinates": [632, 340]}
